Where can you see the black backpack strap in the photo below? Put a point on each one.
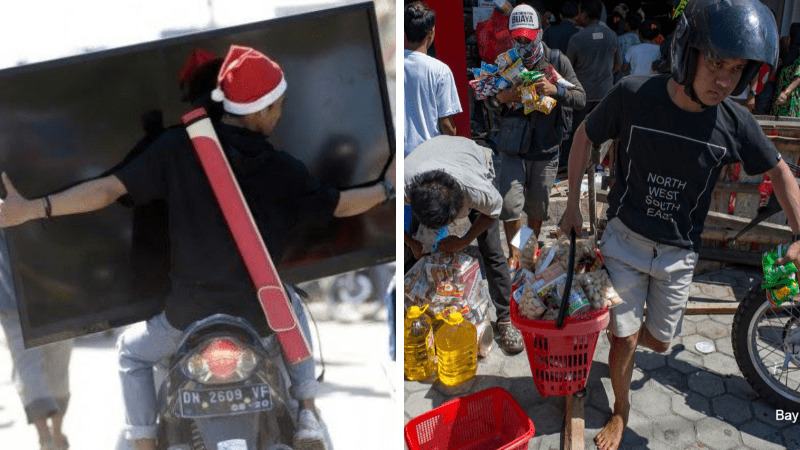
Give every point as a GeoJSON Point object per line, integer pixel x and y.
{"type": "Point", "coordinates": [555, 57]}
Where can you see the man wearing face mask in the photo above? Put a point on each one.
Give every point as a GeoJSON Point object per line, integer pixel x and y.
{"type": "Point", "coordinates": [526, 175]}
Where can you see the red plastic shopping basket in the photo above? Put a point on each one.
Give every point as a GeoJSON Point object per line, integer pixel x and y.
{"type": "Point", "coordinates": [560, 358]}
{"type": "Point", "coordinates": [488, 419]}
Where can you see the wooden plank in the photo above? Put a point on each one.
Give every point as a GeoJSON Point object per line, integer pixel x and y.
{"type": "Point", "coordinates": [574, 426]}
{"type": "Point", "coordinates": [736, 223]}
{"type": "Point", "coordinates": [696, 308]}
{"type": "Point", "coordinates": [756, 235]}
{"type": "Point", "coordinates": [731, 256]}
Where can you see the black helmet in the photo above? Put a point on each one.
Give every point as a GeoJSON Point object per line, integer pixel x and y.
{"type": "Point", "coordinates": [724, 29]}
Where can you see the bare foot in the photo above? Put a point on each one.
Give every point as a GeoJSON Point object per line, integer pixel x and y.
{"type": "Point", "coordinates": [610, 436]}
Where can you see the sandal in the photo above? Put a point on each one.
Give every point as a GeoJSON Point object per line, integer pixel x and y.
{"type": "Point", "coordinates": [510, 338]}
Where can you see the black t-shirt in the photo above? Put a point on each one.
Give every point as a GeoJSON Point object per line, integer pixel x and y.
{"type": "Point", "coordinates": [208, 275]}
{"type": "Point", "coordinates": [669, 159]}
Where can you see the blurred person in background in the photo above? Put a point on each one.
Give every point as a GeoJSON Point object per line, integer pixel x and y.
{"type": "Point", "coordinates": [628, 40]}
{"type": "Point", "coordinates": [41, 374]}
{"type": "Point", "coordinates": [431, 99]}
{"type": "Point", "coordinates": [639, 58]}
{"type": "Point", "coordinates": [557, 36]}
{"type": "Point", "coordinates": [787, 96]}
{"type": "Point", "coordinates": [595, 56]}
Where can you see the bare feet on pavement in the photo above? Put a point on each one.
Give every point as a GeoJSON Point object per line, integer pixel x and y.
{"type": "Point", "coordinates": [610, 437]}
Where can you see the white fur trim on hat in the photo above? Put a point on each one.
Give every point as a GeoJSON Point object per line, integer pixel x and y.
{"type": "Point", "coordinates": [243, 109]}
{"type": "Point", "coordinates": [217, 95]}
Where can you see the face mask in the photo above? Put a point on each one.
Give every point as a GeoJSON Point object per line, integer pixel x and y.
{"type": "Point", "coordinates": [530, 53]}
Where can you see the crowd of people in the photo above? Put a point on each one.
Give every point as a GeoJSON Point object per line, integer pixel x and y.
{"type": "Point", "coordinates": [620, 68]}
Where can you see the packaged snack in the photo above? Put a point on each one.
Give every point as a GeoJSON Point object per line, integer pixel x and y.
{"type": "Point", "coordinates": [477, 87]}
{"type": "Point", "coordinates": [547, 277]}
{"type": "Point", "coordinates": [781, 290]}
{"type": "Point", "coordinates": [504, 5]}
{"type": "Point", "coordinates": [488, 87]}
{"type": "Point", "coordinates": [458, 268]}
{"type": "Point", "coordinates": [446, 289]}
{"type": "Point", "coordinates": [421, 293]}
{"type": "Point", "coordinates": [410, 281]}
{"type": "Point", "coordinates": [546, 104]}
{"type": "Point", "coordinates": [513, 72]}
{"type": "Point", "coordinates": [558, 253]}
{"type": "Point", "coordinates": [577, 301]}
{"type": "Point", "coordinates": [530, 305]}
{"type": "Point", "coordinates": [772, 272]}
{"type": "Point", "coordinates": [529, 253]}
{"type": "Point", "coordinates": [502, 83]}
{"type": "Point", "coordinates": [555, 78]}
{"type": "Point", "coordinates": [487, 70]}
{"type": "Point", "coordinates": [530, 76]}
{"type": "Point", "coordinates": [546, 256]}
{"type": "Point", "coordinates": [529, 98]}
{"type": "Point", "coordinates": [598, 289]}
{"type": "Point", "coordinates": [506, 59]}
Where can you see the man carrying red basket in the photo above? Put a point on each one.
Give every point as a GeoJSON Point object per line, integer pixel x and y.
{"type": "Point", "coordinates": [669, 161]}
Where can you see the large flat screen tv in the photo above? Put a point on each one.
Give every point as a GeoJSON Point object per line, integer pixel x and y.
{"type": "Point", "coordinates": [73, 119]}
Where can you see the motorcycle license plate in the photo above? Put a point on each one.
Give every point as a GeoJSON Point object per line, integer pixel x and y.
{"type": "Point", "coordinates": [224, 402]}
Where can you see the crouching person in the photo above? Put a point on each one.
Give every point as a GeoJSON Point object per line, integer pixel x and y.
{"type": "Point", "coordinates": [448, 178]}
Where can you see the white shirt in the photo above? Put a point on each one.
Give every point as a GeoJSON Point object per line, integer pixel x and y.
{"type": "Point", "coordinates": [641, 57]}
{"type": "Point", "coordinates": [430, 94]}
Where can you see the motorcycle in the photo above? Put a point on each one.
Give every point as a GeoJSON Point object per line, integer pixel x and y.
{"type": "Point", "coordinates": [766, 338]}
{"type": "Point", "coordinates": [354, 296]}
{"type": "Point", "coordinates": [766, 345]}
{"type": "Point", "coordinates": [223, 391]}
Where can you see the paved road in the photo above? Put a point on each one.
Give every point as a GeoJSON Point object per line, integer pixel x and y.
{"type": "Point", "coordinates": [357, 400]}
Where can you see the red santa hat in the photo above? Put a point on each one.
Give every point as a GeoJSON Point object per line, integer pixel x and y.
{"type": "Point", "coordinates": [248, 81]}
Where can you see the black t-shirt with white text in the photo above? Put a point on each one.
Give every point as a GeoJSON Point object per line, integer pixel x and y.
{"type": "Point", "coordinates": [207, 274]}
{"type": "Point", "coordinates": [669, 159]}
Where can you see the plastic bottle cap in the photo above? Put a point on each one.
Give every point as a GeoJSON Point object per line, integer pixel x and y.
{"type": "Point", "coordinates": [455, 318]}
{"type": "Point", "coordinates": [415, 311]}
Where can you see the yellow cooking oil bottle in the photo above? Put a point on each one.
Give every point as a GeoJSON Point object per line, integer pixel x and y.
{"type": "Point", "coordinates": [456, 350]}
{"type": "Point", "coordinates": [418, 349]}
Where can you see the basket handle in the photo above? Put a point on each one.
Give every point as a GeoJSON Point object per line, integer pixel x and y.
{"type": "Point", "coordinates": [562, 311]}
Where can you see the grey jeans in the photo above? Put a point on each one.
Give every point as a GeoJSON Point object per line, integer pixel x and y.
{"type": "Point", "coordinates": [41, 374]}
{"type": "Point", "coordinates": [145, 344]}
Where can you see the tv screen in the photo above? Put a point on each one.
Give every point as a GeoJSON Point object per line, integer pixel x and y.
{"type": "Point", "coordinates": [74, 119]}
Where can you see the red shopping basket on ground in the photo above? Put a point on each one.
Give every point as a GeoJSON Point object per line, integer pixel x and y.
{"type": "Point", "coordinates": [560, 353]}
{"type": "Point", "coordinates": [489, 419]}
{"type": "Point", "coordinates": [560, 358]}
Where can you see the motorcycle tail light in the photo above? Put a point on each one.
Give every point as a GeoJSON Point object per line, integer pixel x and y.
{"type": "Point", "coordinates": [222, 360]}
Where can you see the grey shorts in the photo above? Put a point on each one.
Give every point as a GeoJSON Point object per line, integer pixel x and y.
{"type": "Point", "coordinates": [645, 272]}
{"type": "Point", "coordinates": [525, 186]}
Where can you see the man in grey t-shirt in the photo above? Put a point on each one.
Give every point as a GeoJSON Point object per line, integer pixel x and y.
{"type": "Point", "coordinates": [448, 178]}
{"type": "Point", "coordinates": [595, 55]}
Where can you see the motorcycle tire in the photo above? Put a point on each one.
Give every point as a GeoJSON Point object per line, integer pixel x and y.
{"type": "Point", "coordinates": [766, 345]}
